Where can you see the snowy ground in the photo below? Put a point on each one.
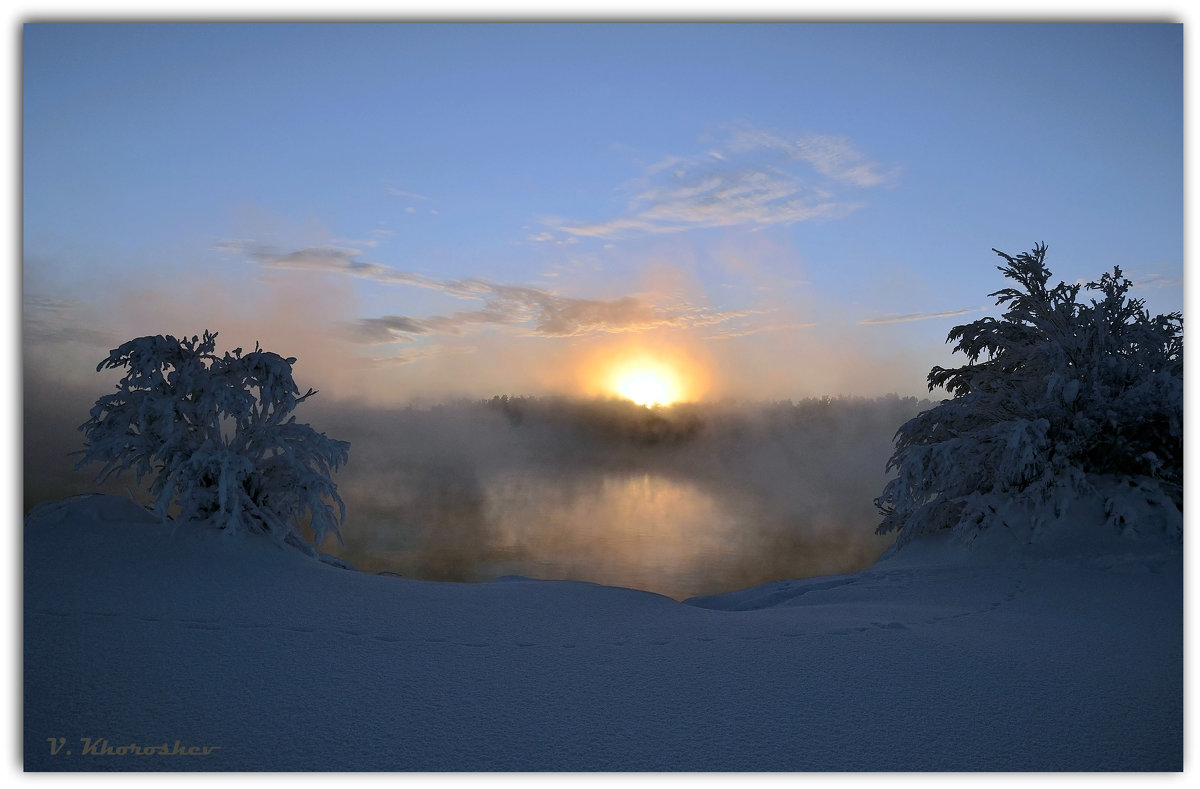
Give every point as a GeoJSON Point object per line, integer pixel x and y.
{"type": "Point", "coordinates": [138, 634]}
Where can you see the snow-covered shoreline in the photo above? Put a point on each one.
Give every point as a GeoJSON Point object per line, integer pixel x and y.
{"type": "Point", "coordinates": [144, 635]}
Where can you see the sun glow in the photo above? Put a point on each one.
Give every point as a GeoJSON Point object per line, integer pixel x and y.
{"type": "Point", "coordinates": [646, 372]}
{"type": "Point", "coordinates": [647, 385]}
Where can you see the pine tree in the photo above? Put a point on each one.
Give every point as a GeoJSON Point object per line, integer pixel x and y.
{"type": "Point", "coordinates": [216, 437]}
{"type": "Point", "coordinates": [1056, 395]}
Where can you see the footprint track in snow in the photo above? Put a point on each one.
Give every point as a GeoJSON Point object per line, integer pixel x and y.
{"type": "Point", "coordinates": [208, 624]}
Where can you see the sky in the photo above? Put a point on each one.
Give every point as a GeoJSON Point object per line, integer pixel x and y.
{"type": "Point", "coordinates": [419, 211]}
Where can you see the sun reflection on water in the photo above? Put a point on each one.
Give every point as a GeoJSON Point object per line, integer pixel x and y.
{"type": "Point", "coordinates": [645, 531]}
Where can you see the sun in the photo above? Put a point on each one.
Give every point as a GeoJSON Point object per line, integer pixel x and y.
{"type": "Point", "coordinates": [648, 373]}
{"type": "Point", "coordinates": [647, 383]}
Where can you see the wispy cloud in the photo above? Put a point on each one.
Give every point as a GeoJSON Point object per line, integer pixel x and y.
{"type": "Point", "coordinates": [536, 311]}
{"type": "Point", "coordinates": [388, 329]}
{"type": "Point", "coordinates": [376, 238]}
{"type": "Point", "coordinates": [342, 260]}
{"type": "Point", "coordinates": [755, 178]}
{"type": "Point", "coordinates": [834, 157]}
{"type": "Point", "coordinates": [410, 355]}
{"type": "Point", "coordinates": [395, 191]}
{"type": "Point", "coordinates": [55, 320]}
{"type": "Point", "coordinates": [1155, 279]}
{"type": "Point", "coordinates": [748, 331]}
{"type": "Point", "coordinates": [916, 316]}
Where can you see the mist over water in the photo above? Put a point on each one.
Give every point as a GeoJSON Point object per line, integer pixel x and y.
{"type": "Point", "coordinates": [688, 500]}
{"type": "Point", "coordinates": [684, 501]}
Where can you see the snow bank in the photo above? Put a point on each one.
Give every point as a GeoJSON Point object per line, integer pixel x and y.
{"type": "Point", "coordinates": [146, 644]}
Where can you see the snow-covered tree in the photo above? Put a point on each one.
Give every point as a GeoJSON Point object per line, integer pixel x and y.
{"type": "Point", "coordinates": [1058, 399]}
{"type": "Point", "coordinates": [215, 436]}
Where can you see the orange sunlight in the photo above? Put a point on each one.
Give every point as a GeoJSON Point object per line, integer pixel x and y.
{"type": "Point", "coordinates": [647, 384]}
{"type": "Point", "coordinates": [659, 377]}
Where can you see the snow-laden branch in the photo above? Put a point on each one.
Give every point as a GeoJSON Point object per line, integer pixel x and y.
{"type": "Point", "coordinates": [1055, 395]}
{"type": "Point", "coordinates": [216, 437]}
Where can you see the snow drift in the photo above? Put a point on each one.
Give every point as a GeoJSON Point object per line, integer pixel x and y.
{"type": "Point", "coordinates": [154, 647]}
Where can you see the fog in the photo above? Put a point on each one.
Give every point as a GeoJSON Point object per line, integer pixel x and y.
{"type": "Point", "coordinates": [686, 500]}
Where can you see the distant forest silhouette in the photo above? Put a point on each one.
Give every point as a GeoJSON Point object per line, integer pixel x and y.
{"type": "Point", "coordinates": [437, 481]}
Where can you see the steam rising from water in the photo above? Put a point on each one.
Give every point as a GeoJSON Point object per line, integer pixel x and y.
{"type": "Point", "coordinates": [688, 500]}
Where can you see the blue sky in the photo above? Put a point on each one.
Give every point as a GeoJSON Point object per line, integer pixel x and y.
{"type": "Point", "coordinates": [421, 210]}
